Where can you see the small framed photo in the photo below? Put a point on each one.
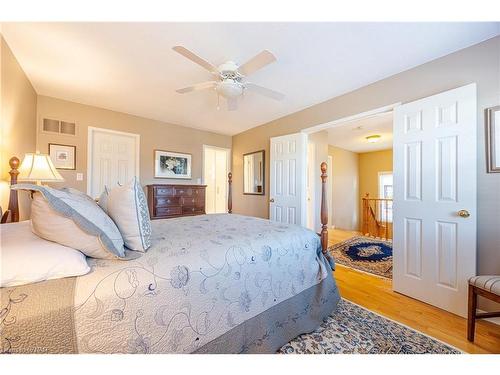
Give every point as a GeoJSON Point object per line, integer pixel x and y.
{"type": "Point", "coordinates": [172, 164]}
{"type": "Point", "coordinates": [493, 139]}
{"type": "Point", "coordinates": [63, 156]}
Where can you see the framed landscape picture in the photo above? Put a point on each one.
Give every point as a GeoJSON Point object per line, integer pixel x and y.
{"type": "Point", "coordinates": [172, 164]}
{"type": "Point", "coordinates": [493, 139]}
{"type": "Point", "coordinates": [63, 156]}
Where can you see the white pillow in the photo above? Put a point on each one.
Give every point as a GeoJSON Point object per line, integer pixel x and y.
{"type": "Point", "coordinates": [76, 221]}
{"type": "Point", "coordinates": [27, 258]}
{"type": "Point", "coordinates": [128, 208]}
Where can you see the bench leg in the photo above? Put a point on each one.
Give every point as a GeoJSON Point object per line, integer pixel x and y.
{"type": "Point", "coordinates": [471, 313]}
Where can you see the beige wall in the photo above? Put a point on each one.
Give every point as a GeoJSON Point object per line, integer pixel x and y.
{"type": "Point", "coordinates": [370, 164]}
{"type": "Point", "coordinates": [479, 63]}
{"type": "Point", "coordinates": [154, 135]}
{"type": "Point", "coordinates": [345, 188]}
{"type": "Point", "coordinates": [17, 122]}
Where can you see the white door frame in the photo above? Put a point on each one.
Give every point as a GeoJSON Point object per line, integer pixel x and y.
{"type": "Point", "coordinates": [311, 185]}
{"type": "Point", "coordinates": [345, 120]}
{"type": "Point", "coordinates": [90, 150]}
{"type": "Point", "coordinates": [227, 150]}
{"type": "Point", "coordinates": [341, 122]}
{"type": "Point", "coordinates": [228, 163]}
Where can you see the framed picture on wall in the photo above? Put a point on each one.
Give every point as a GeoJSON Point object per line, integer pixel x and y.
{"type": "Point", "coordinates": [493, 139]}
{"type": "Point", "coordinates": [63, 156]}
{"type": "Point", "coordinates": [172, 164]}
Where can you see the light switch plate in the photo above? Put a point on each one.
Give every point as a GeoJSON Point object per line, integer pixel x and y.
{"type": "Point", "coordinates": [79, 176]}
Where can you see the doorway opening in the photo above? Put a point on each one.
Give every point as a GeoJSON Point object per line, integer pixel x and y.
{"type": "Point", "coordinates": [215, 169]}
{"type": "Point", "coordinates": [360, 185]}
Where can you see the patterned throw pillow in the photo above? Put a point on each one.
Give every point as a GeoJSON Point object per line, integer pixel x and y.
{"type": "Point", "coordinates": [128, 208]}
{"type": "Point", "coordinates": [74, 220]}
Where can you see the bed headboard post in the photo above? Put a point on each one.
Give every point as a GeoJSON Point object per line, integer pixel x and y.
{"type": "Point", "coordinates": [230, 193]}
{"type": "Point", "coordinates": [324, 209]}
{"type": "Point", "coordinates": [13, 208]}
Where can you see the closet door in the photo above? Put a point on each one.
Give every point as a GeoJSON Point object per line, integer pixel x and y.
{"type": "Point", "coordinates": [215, 170]}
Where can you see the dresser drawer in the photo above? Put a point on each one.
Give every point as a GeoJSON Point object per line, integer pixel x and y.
{"type": "Point", "coordinates": [187, 210]}
{"type": "Point", "coordinates": [168, 211]}
{"type": "Point", "coordinates": [193, 201]}
{"type": "Point", "coordinates": [164, 191]}
{"type": "Point", "coordinates": [184, 191]}
{"type": "Point", "coordinates": [166, 201]}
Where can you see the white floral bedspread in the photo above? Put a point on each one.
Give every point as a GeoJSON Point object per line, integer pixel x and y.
{"type": "Point", "coordinates": [202, 276]}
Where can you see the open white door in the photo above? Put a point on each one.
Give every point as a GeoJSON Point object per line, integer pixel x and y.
{"type": "Point", "coordinates": [288, 179]}
{"type": "Point", "coordinates": [435, 198]}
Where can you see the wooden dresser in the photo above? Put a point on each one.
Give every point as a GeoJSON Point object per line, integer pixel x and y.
{"type": "Point", "coordinates": [166, 201]}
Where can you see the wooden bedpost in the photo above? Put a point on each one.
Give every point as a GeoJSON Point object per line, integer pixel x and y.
{"type": "Point", "coordinates": [230, 193]}
{"type": "Point", "coordinates": [12, 213]}
{"type": "Point", "coordinates": [324, 210]}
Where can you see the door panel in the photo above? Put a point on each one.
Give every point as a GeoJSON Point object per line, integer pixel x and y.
{"type": "Point", "coordinates": [435, 178]}
{"type": "Point", "coordinates": [288, 179]}
{"type": "Point", "coordinates": [113, 160]}
{"type": "Point", "coordinates": [215, 170]}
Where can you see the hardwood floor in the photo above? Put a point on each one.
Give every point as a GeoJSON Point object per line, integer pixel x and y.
{"type": "Point", "coordinates": [375, 293]}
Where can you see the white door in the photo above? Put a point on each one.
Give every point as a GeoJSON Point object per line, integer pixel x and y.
{"type": "Point", "coordinates": [310, 189]}
{"type": "Point", "coordinates": [434, 179]}
{"type": "Point", "coordinates": [215, 170]}
{"type": "Point", "coordinates": [288, 179]}
{"type": "Point", "coordinates": [113, 159]}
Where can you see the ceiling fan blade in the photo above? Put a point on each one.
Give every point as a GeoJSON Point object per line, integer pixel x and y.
{"type": "Point", "coordinates": [195, 58]}
{"type": "Point", "coordinates": [197, 87]}
{"type": "Point", "coordinates": [257, 62]}
{"type": "Point", "coordinates": [232, 104]}
{"type": "Point", "coordinates": [265, 91]}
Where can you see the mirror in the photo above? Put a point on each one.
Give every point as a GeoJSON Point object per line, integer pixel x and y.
{"type": "Point", "coordinates": [253, 173]}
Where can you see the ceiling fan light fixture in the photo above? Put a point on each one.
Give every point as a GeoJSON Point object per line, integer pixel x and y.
{"type": "Point", "coordinates": [229, 88]}
{"type": "Point", "coordinates": [373, 138]}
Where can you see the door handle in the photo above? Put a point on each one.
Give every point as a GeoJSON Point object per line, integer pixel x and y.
{"type": "Point", "coordinates": [271, 200]}
{"type": "Point", "coordinates": [463, 213]}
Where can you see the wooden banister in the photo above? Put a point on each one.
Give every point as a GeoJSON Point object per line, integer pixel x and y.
{"type": "Point", "coordinates": [375, 218]}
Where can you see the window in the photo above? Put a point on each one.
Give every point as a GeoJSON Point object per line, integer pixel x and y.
{"type": "Point", "coordinates": [385, 191]}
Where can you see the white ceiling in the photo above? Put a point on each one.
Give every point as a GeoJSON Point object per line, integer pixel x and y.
{"type": "Point", "coordinates": [352, 135]}
{"type": "Point", "coordinates": [130, 67]}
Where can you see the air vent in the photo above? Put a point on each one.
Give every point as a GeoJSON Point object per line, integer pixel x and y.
{"type": "Point", "coordinates": [58, 127]}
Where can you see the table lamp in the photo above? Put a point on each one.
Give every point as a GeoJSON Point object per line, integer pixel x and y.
{"type": "Point", "coordinates": [38, 167]}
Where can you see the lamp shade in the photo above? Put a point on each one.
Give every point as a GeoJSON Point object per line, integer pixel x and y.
{"type": "Point", "coordinates": [38, 167]}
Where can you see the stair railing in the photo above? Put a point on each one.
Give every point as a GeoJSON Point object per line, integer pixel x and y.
{"type": "Point", "coordinates": [377, 217]}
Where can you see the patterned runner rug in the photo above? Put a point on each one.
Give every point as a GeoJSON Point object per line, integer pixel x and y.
{"type": "Point", "coordinates": [365, 254]}
{"type": "Point", "coordinates": [354, 330]}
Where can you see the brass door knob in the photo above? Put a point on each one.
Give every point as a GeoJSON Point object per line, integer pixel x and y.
{"type": "Point", "coordinates": [463, 213]}
{"type": "Point", "coordinates": [271, 200]}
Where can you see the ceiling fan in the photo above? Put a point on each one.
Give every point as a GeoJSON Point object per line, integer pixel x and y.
{"type": "Point", "coordinates": [229, 77]}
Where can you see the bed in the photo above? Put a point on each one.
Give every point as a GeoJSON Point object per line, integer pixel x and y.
{"type": "Point", "coordinates": [221, 283]}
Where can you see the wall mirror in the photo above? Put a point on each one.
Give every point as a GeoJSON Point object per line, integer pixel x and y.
{"type": "Point", "coordinates": [253, 173]}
